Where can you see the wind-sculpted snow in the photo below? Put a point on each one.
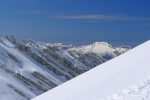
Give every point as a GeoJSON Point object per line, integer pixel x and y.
{"type": "Point", "coordinates": [29, 68]}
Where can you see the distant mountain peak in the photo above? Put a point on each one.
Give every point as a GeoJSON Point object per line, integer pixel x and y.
{"type": "Point", "coordinates": [100, 48]}
{"type": "Point", "coordinates": [101, 44]}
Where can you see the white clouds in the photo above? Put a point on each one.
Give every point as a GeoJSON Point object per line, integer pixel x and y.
{"type": "Point", "coordinates": [87, 17]}
{"type": "Point", "coordinates": [105, 17]}
{"type": "Point", "coordinates": [101, 17]}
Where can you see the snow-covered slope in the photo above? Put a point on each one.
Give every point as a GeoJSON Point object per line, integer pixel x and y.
{"type": "Point", "coordinates": [138, 91]}
{"type": "Point", "coordinates": [104, 80]}
{"type": "Point", "coordinates": [29, 68]}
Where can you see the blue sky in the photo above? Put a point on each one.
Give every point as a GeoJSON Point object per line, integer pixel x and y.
{"type": "Point", "coordinates": [77, 21]}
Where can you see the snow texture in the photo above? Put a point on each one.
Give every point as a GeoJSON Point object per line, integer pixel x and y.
{"type": "Point", "coordinates": [140, 91]}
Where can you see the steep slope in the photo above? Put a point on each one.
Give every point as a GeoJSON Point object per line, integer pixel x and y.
{"type": "Point", "coordinates": [104, 80]}
{"type": "Point", "coordinates": [29, 68]}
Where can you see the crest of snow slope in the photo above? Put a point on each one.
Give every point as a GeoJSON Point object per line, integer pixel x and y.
{"type": "Point", "coordinates": [106, 79]}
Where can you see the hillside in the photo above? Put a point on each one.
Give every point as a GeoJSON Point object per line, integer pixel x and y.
{"type": "Point", "coordinates": [125, 76]}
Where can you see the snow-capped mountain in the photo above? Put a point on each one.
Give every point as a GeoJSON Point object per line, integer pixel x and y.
{"type": "Point", "coordinates": [101, 49]}
{"type": "Point", "coordinates": [29, 68]}
{"type": "Point", "coordinates": [122, 78]}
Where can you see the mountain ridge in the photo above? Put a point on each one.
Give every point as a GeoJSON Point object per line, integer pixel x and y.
{"type": "Point", "coordinates": [35, 67]}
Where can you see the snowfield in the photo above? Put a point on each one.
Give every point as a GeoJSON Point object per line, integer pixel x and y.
{"type": "Point", "coordinates": [139, 91]}
{"type": "Point", "coordinates": [124, 76]}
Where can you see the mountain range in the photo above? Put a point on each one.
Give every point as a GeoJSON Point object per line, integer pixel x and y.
{"type": "Point", "coordinates": [29, 68]}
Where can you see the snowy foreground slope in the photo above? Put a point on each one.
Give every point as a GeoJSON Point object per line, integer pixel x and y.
{"type": "Point", "coordinates": [29, 68]}
{"type": "Point", "coordinates": [120, 76]}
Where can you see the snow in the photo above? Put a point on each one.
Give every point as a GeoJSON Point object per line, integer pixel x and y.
{"type": "Point", "coordinates": [28, 66]}
{"type": "Point", "coordinates": [65, 54]}
{"type": "Point", "coordinates": [140, 91]}
{"type": "Point", "coordinates": [101, 82]}
{"type": "Point", "coordinates": [100, 48]}
{"type": "Point", "coordinates": [11, 59]}
{"type": "Point", "coordinates": [6, 42]}
{"type": "Point", "coordinates": [6, 92]}
{"type": "Point", "coordinates": [6, 79]}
